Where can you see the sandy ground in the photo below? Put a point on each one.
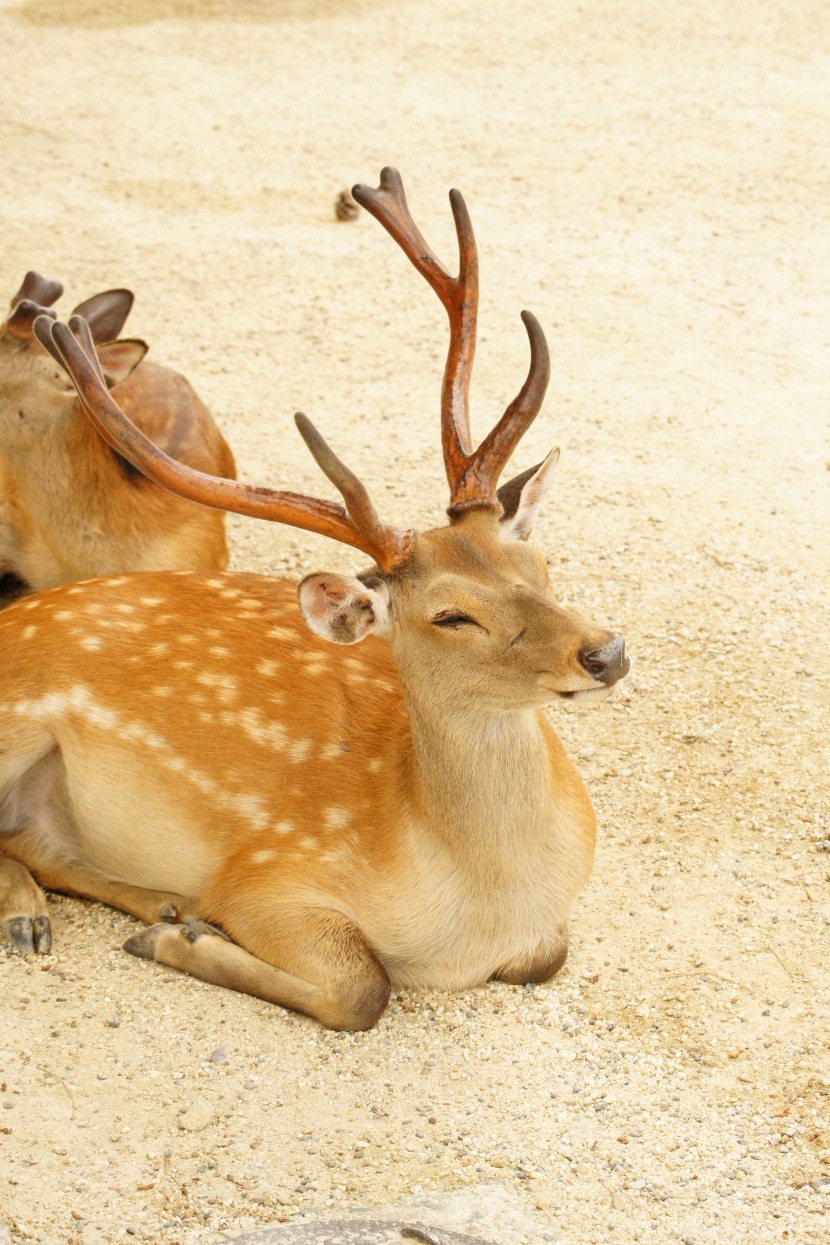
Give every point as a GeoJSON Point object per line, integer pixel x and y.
{"type": "Point", "coordinates": [652, 180]}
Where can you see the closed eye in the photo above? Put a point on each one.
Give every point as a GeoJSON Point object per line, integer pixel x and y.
{"type": "Point", "coordinates": [450, 618]}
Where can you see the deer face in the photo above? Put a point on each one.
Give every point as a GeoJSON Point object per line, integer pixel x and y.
{"type": "Point", "coordinates": [474, 615]}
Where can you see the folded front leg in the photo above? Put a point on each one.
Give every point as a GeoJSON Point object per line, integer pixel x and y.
{"type": "Point", "coordinates": [318, 962]}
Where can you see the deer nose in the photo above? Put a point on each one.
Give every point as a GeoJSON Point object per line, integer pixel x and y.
{"type": "Point", "coordinates": [606, 664]}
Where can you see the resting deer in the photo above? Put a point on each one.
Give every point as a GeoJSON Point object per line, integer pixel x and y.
{"type": "Point", "coordinates": [360, 793]}
{"type": "Point", "coordinates": [69, 507]}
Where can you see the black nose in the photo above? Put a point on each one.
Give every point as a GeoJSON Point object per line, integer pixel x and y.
{"type": "Point", "coordinates": [607, 664]}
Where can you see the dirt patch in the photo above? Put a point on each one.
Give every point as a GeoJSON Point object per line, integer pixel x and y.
{"type": "Point", "coordinates": [650, 180]}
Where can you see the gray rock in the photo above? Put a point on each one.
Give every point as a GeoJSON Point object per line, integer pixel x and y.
{"type": "Point", "coordinates": [354, 1232]}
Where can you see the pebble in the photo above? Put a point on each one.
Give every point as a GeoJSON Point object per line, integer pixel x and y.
{"type": "Point", "coordinates": [198, 1115]}
{"type": "Point", "coordinates": [218, 1056]}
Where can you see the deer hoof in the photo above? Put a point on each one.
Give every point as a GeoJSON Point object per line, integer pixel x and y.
{"type": "Point", "coordinates": [143, 944]}
{"type": "Point", "coordinates": [31, 935]}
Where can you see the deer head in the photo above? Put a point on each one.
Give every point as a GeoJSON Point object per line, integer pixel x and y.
{"type": "Point", "coordinates": [33, 393]}
{"type": "Point", "coordinates": [467, 608]}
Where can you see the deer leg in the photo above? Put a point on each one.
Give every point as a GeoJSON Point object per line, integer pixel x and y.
{"type": "Point", "coordinates": [72, 878]}
{"type": "Point", "coordinates": [545, 964]}
{"type": "Point", "coordinates": [317, 962]}
{"type": "Point", "coordinates": [23, 919]}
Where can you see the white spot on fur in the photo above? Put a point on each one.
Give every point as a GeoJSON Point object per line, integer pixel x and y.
{"type": "Point", "coordinates": [267, 668]}
{"type": "Point", "coordinates": [284, 827]}
{"type": "Point", "coordinates": [92, 643]}
{"type": "Point", "coordinates": [375, 765]}
{"type": "Point", "coordinates": [281, 633]}
{"type": "Point", "coordinates": [152, 601]}
{"type": "Point", "coordinates": [63, 615]}
{"type": "Point", "coordinates": [308, 842]}
{"type": "Point", "coordinates": [262, 858]}
{"type": "Point", "coordinates": [31, 605]}
{"type": "Point", "coordinates": [218, 651]}
{"type": "Point", "coordinates": [187, 639]}
{"type": "Point", "coordinates": [298, 751]}
{"type": "Point", "coordinates": [223, 684]}
{"type": "Point", "coordinates": [336, 818]}
{"type": "Point", "coordinates": [29, 631]}
{"type": "Point", "coordinates": [158, 650]}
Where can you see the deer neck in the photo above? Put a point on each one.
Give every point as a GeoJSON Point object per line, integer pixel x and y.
{"type": "Point", "coordinates": [69, 472]}
{"type": "Point", "coordinates": [478, 775]}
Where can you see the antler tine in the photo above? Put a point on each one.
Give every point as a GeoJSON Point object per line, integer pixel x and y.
{"type": "Point", "coordinates": [390, 547]}
{"type": "Point", "coordinates": [42, 328]}
{"type": "Point", "coordinates": [488, 461]}
{"type": "Point", "coordinates": [38, 289]}
{"type": "Point", "coordinates": [459, 296]}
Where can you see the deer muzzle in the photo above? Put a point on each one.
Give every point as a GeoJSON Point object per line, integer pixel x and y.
{"type": "Point", "coordinates": [607, 664]}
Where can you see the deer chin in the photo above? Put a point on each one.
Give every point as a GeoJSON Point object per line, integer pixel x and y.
{"type": "Point", "coordinates": [589, 696]}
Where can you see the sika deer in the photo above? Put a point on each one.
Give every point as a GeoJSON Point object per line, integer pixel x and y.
{"type": "Point", "coordinates": [69, 507]}
{"type": "Point", "coordinates": [395, 813]}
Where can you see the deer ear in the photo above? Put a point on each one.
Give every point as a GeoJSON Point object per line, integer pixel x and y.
{"type": "Point", "coordinates": [522, 496]}
{"type": "Point", "coordinates": [342, 609]}
{"type": "Point", "coordinates": [119, 359]}
{"type": "Point", "coordinates": [106, 313]}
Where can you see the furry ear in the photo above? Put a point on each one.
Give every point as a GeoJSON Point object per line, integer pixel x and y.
{"type": "Point", "coordinates": [119, 359]}
{"type": "Point", "coordinates": [342, 609]}
{"type": "Point", "coordinates": [522, 496]}
{"type": "Point", "coordinates": [106, 313]}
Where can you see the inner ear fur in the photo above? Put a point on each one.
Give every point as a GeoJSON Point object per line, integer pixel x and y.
{"type": "Point", "coordinates": [119, 359]}
{"type": "Point", "coordinates": [342, 609]}
{"type": "Point", "coordinates": [522, 496]}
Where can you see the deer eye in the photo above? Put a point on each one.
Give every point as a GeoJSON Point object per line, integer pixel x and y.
{"type": "Point", "coordinates": [452, 619]}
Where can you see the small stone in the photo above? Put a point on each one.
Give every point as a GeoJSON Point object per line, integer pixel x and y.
{"type": "Point", "coordinates": [198, 1115]}
{"type": "Point", "coordinates": [218, 1056]}
{"type": "Point", "coordinates": [734, 1052]}
{"type": "Point", "coordinates": [8, 1104]}
{"type": "Point", "coordinates": [345, 207]}
{"type": "Point", "coordinates": [114, 1022]}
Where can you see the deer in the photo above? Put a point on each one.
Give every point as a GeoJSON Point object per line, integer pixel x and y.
{"type": "Point", "coordinates": [71, 508]}
{"type": "Point", "coordinates": [315, 793]}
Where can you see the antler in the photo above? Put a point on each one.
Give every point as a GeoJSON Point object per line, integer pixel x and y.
{"type": "Point", "coordinates": [33, 299]}
{"type": "Point", "coordinates": [357, 525]}
{"type": "Point", "coordinates": [472, 474]}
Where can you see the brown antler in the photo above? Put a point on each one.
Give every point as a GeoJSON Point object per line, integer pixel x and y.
{"type": "Point", "coordinates": [472, 474]}
{"type": "Point", "coordinates": [357, 525]}
{"type": "Point", "coordinates": [33, 299]}
{"type": "Point", "coordinates": [38, 289]}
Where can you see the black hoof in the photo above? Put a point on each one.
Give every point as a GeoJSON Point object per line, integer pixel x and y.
{"type": "Point", "coordinates": [143, 944]}
{"type": "Point", "coordinates": [29, 935]}
{"type": "Point", "coordinates": [42, 935]}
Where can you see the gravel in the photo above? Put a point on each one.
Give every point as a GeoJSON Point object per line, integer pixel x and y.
{"type": "Point", "coordinates": [650, 181]}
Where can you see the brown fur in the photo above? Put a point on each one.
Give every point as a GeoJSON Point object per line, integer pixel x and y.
{"type": "Point", "coordinates": [353, 815]}
{"type": "Point", "coordinates": [70, 509]}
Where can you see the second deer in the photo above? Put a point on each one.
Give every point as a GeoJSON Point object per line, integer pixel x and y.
{"type": "Point", "coordinates": [70, 508]}
{"type": "Point", "coordinates": [360, 793]}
